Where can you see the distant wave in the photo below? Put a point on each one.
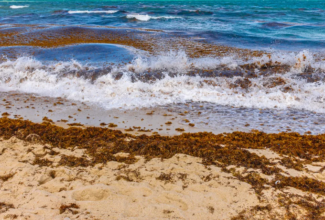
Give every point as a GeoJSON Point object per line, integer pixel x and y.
{"type": "Point", "coordinates": [147, 17]}
{"type": "Point", "coordinates": [18, 6]}
{"type": "Point", "coordinates": [139, 17]}
{"type": "Point", "coordinates": [93, 12]}
{"type": "Point", "coordinates": [198, 11]}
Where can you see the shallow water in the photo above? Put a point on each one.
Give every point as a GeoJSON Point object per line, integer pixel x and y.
{"type": "Point", "coordinates": [216, 117]}
{"type": "Point", "coordinates": [95, 54]}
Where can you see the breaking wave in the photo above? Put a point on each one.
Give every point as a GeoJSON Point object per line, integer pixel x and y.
{"type": "Point", "coordinates": [93, 12]}
{"type": "Point", "coordinates": [76, 81]}
{"type": "Point", "coordinates": [18, 6]}
{"type": "Point", "coordinates": [147, 17]}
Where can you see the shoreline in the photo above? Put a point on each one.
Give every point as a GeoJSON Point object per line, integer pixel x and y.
{"type": "Point", "coordinates": [80, 171]}
{"type": "Point", "coordinates": [166, 120]}
{"type": "Point", "coordinates": [64, 113]}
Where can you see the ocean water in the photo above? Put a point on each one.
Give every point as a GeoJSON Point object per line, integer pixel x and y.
{"type": "Point", "coordinates": [285, 24]}
{"type": "Point", "coordinates": [290, 33]}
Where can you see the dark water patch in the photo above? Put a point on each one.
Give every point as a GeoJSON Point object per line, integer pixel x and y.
{"type": "Point", "coordinates": [275, 25]}
{"type": "Point", "coordinates": [9, 30]}
{"type": "Point", "coordinates": [110, 7]}
{"type": "Point", "coordinates": [84, 53]}
{"type": "Point", "coordinates": [58, 12]}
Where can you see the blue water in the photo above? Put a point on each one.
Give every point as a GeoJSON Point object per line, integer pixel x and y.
{"type": "Point", "coordinates": [279, 24]}
{"type": "Point", "coordinates": [93, 54]}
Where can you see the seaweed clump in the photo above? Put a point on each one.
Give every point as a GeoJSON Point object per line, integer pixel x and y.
{"type": "Point", "coordinates": [314, 208]}
{"type": "Point", "coordinates": [223, 150]}
{"type": "Point", "coordinates": [302, 183]}
{"type": "Point", "coordinates": [5, 207]}
{"type": "Point", "coordinates": [253, 211]}
{"type": "Point", "coordinates": [6, 177]}
{"type": "Point", "coordinates": [71, 208]}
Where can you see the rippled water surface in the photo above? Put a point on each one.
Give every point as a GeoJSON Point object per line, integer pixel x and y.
{"type": "Point", "coordinates": [289, 24]}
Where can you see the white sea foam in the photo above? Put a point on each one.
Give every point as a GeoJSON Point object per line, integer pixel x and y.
{"type": "Point", "coordinates": [18, 6]}
{"type": "Point", "coordinates": [93, 12]}
{"type": "Point", "coordinates": [178, 61]}
{"type": "Point", "coordinates": [141, 17]}
{"type": "Point", "coordinates": [31, 76]}
{"type": "Point", "coordinates": [298, 61]}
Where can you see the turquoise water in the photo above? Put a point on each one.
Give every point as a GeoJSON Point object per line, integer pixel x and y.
{"type": "Point", "coordinates": [279, 24]}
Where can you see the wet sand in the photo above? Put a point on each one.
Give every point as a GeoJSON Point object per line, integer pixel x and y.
{"type": "Point", "coordinates": [163, 120]}
{"type": "Point", "coordinates": [62, 112]}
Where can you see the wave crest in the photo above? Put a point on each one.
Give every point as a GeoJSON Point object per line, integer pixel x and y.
{"type": "Point", "coordinates": [93, 12]}
{"type": "Point", "coordinates": [18, 6]}
{"type": "Point", "coordinates": [141, 17]}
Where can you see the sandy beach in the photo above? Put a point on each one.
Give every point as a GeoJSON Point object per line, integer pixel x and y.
{"type": "Point", "coordinates": [47, 173]}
